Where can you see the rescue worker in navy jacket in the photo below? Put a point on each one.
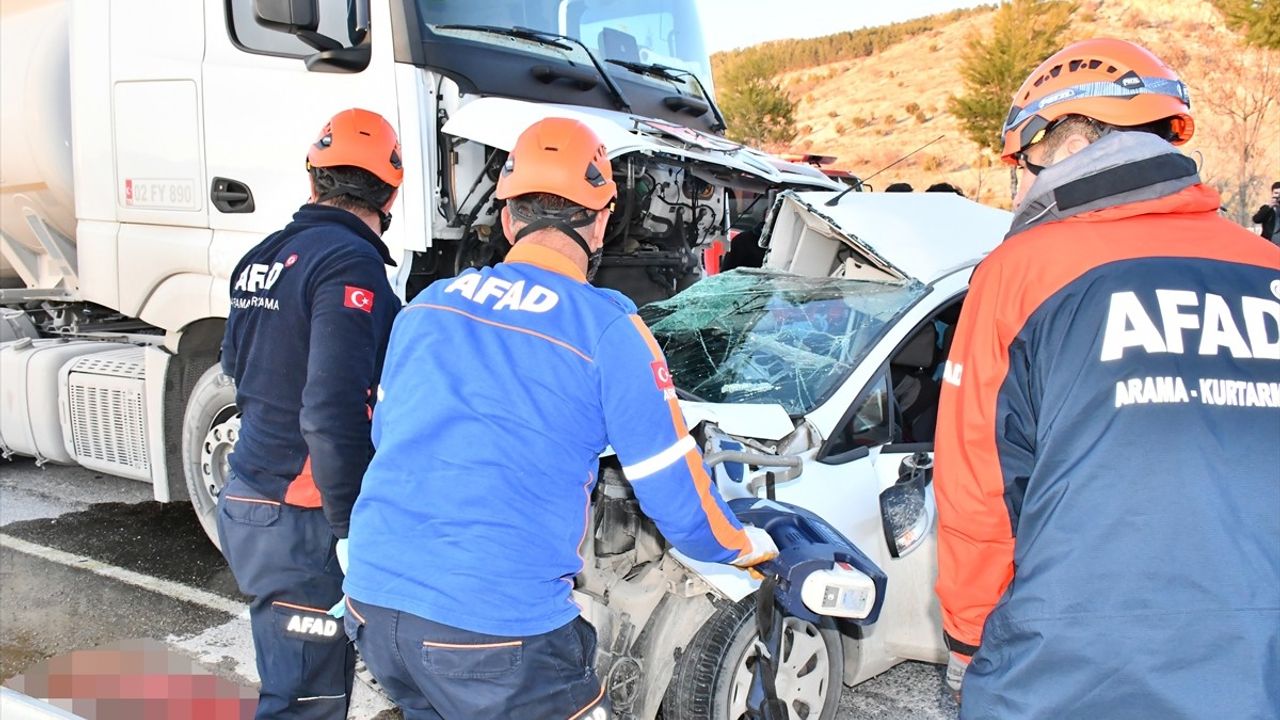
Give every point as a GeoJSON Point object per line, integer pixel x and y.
{"type": "Point", "coordinates": [502, 387]}
{"type": "Point", "coordinates": [311, 311]}
{"type": "Point", "coordinates": [1108, 450]}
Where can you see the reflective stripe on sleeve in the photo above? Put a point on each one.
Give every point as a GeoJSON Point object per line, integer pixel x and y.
{"type": "Point", "coordinates": [661, 461]}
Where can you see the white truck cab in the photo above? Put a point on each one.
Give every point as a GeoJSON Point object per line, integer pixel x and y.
{"type": "Point", "coordinates": [147, 144]}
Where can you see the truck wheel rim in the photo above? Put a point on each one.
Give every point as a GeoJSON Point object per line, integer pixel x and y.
{"type": "Point", "coordinates": [802, 674]}
{"type": "Point", "coordinates": [219, 441]}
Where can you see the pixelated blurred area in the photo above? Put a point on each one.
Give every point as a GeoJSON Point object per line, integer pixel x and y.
{"type": "Point", "coordinates": [134, 680]}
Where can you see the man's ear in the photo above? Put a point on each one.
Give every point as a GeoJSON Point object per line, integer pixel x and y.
{"type": "Point", "coordinates": [1074, 143]}
{"type": "Point", "coordinates": [315, 194]}
{"type": "Point", "coordinates": [508, 226]}
{"type": "Point", "coordinates": [598, 227]}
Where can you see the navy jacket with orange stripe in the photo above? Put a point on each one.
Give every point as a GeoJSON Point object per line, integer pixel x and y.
{"type": "Point", "coordinates": [311, 311]}
{"type": "Point", "coordinates": [501, 389]}
{"type": "Point", "coordinates": [1108, 454]}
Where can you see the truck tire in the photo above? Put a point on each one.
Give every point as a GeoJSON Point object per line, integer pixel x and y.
{"type": "Point", "coordinates": [210, 429]}
{"type": "Point", "coordinates": [713, 674]}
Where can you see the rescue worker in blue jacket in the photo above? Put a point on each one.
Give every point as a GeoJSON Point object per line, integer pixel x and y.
{"type": "Point", "coordinates": [502, 387]}
{"type": "Point", "coordinates": [311, 311]}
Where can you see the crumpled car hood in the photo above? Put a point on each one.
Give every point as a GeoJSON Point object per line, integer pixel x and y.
{"type": "Point", "coordinates": [889, 237]}
{"type": "Point", "coordinates": [757, 421]}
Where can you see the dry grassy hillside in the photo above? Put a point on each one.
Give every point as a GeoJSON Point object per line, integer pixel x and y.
{"type": "Point", "coordinates": [865, 111]}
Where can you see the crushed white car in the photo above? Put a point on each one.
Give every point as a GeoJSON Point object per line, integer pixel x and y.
{"type": "Point", "coordinates": [813, 381]}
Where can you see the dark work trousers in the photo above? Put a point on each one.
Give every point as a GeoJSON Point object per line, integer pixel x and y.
{"type": "Point", "coordinates": [438, 672]}
{"type": "Point", "coordinates": [283, 556]}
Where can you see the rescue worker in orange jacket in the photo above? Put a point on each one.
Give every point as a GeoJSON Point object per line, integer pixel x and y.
{"type": "Point", "coordinates": [1109, 428]}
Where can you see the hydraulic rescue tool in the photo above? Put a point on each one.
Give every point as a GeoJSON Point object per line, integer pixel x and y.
{"type": "Point", "coordinates": [818, 572]}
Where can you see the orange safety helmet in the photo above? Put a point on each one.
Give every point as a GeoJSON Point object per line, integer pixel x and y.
{"type": "Point", "coordinates": [1111, 81]}
{"type": "Point", "coordinates": [563, 157]}
{"type": "Point", "coordinates": [359, 138]}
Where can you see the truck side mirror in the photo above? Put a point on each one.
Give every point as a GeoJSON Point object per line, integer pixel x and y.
{"type": "Point", "coordinates": [288, 16]}
{"type": "Point", "coordinates": [300, 18]}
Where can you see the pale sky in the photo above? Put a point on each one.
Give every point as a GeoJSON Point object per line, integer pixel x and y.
{"type": "Point", "coordinates": [729, 24]}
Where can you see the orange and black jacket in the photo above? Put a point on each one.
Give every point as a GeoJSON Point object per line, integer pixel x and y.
{"type": "Point", "coordinates": [1108, 452]}
{"type": "Point", "coordinates": [311, 312]}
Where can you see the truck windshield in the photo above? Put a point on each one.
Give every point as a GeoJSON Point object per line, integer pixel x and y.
{"type": "Point", "coordinates": [760, 336]}
{"type": "Point", "coordinates": [645, 32]}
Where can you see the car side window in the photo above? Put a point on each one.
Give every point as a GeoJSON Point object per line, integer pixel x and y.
{"type": "Point", "coordinates": [248, 35]}
{"type": "Point", "coordinates": [901, 404]}
{"type": "Point", "coordinates": [871, 424]}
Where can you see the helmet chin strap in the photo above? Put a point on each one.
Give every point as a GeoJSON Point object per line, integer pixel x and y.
{"type": "Point", "coordinates": [569, 227]}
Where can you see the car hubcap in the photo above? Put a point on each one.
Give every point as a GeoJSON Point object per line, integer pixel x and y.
{"type": "Point", "coordinates": [802, 673]}
{"type": "Point", "coordinates": [219, 441]}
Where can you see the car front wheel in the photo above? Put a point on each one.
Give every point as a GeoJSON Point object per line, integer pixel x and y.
{"type": "Point", "coordinates": [713, 675]}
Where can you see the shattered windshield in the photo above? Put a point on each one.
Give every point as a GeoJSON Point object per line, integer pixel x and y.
{"type": "Point", "coordinates": [759, 336]}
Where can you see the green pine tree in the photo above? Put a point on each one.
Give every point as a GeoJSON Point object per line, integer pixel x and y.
{"type": "Point", "coordinates": [1258, 19]}
{"type": "Point", "coordinates": [1023, 34]}
{"type": "Point", "coordinates": [756, 108]}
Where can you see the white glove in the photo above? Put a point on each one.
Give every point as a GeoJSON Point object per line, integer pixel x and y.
{"type": "Point", "coordinates": [341, 550]}
{"type": "Point", "coordinates": [956, 666]}
{"type": "Point", "coordinates": [761, 549]}
{"type": "Point", "coordinates": [340, 609]}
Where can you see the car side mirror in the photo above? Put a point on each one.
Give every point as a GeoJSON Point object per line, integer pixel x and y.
{"type": "Point", "coordinates": [905, 508]}
{"type": "Point", "coordinates": [917, 465]}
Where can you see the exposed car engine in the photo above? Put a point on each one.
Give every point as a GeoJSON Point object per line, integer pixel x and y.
{"type": "Point", "coordinates": [668, 209]}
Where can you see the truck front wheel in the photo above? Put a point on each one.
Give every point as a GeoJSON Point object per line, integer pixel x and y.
{"type": "Point", "coordinates": [210, 429]}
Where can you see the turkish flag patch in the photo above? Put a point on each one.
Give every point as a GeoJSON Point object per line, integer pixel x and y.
{"type": "Point", "coordinates": [662, 376]}
{"type": "Point", "coordinates": [358, 298]}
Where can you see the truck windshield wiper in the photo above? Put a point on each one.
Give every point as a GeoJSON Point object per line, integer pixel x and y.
{"type": "Point", "coordinates": [663, 71]}
{"type": "Point", "coordinates": [555, 40]}
{"type": "Point", "coordinates": [666, 72]}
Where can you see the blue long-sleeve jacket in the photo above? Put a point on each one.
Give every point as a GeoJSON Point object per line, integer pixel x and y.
{"type": "Point", "coordinates": [311, 311]}
{"type": "Point", "coordinates": [502, 387]}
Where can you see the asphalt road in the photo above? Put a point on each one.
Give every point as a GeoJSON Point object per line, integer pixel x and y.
{"type": "Point", "coordinates": [90, 563]}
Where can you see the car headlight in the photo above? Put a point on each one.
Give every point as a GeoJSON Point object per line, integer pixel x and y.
{"type": "Point", "coordinates": [905, 509]}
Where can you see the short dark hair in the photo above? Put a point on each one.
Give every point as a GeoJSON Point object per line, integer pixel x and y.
{"type": "Point", "coordinates": [944, 187]}
{"type": "Point", "coordinates": [1070, 125]}
{"type": "Point", "coordinates": [533, 205]}
{"type": "Point", "coordinates": [900, 187]}
{"type": "Point", "coordinates": [1275, 185]}
{"type": "Point", "coordinates": [371, 188]}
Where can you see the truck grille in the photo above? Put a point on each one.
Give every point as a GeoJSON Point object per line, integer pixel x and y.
{"type": "Point", "coordinates": [107, 409]}
{"type": "Point", "coordinates": [109, 426]}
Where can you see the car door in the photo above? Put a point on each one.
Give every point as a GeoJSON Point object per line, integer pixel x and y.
{"type": "Point", "coordinates": [848, 482]}
{"type": "Point", "coordinates": [871, 450]}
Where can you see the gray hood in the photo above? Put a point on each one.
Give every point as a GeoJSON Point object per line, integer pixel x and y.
{"type": "Point", "coordinates": [1120, 168]}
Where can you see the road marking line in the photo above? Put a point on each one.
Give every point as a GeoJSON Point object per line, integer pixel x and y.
{"type": "Point", "coordinates": [171, 589]}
